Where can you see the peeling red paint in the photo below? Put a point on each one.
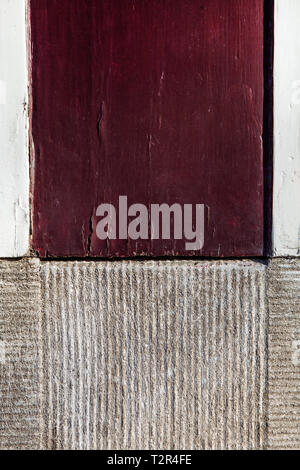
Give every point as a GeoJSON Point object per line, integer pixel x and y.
{"type": "Point", "coordinates": [158, 100]}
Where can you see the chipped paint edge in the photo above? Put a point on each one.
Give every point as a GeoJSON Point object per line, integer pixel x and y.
{"type": "Point", "coordinates": [286, 195]}
{"type": "Point", "coordinates": [14, 159]}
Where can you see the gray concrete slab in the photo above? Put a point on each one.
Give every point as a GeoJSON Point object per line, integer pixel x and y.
{"type": "Point", "coordinates": [150, 355]}
{"type": "Point", "coordinates": [154, 355]}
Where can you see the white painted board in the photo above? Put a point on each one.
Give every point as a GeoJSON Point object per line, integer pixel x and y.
{"type": "Point", "coordinates": [14, 161]}
{"type": "Point", "coordinates": [286, 210]}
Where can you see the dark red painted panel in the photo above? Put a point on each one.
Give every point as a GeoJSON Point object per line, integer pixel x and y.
{"type": "Point", "coordinates": [159, 100]}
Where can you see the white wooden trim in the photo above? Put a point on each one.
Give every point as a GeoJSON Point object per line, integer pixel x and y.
{"type": "Point", "coordinates": [286, 211]}
{"type": "Point", "coordinates": [14, 162]}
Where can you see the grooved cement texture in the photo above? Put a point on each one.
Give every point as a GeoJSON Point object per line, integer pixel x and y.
{"type": "Point", "coordinates": [154, 355]}
{"type": "Point", "coordinates": [159, 355]}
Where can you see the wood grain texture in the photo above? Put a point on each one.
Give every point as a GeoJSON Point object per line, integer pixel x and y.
{"type": "Point", "coordinates": [158, 100]}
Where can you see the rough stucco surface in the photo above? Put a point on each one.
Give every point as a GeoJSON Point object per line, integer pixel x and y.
{"type": "Point", "coordinates": [284, 354]}
{"type": "Point", "coordinates": [139, 355]}
{"type": "Point", "coordinates": [19, 354]}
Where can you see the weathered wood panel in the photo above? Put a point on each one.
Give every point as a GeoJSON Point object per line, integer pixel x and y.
{"type": "Point", "coordinates": [158, 100]}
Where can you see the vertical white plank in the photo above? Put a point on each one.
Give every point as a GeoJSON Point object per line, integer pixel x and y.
{"type": "Point", "coordinates": [286, 214]}
{"type": "Point", "coordinates": [14, 164]}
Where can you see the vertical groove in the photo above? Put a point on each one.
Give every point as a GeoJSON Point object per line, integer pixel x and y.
{"type": "Point", "coordinates": [263, 363]}
{"type": "Point", "coordinates": [238, 398]}
{"type": "Point", "coordinates": [213, 435]}
{"type": "Point", "coordinates": [131, 316]}
{"type": "Point", "coordinates": [70, 328]}
{"type": "Point", "coordinates": [205, 333]}
{"type": "Point", "coordinates": [231, 356]}
{"type": "Point", "coordinates": [223, 350]}
{"type": "Point", "coordinates": [47, 381]}
{"type": "Point", "coordinates": [101, 387]}
{"type": "Point", "coordinates": [63, 339]}
{"type": "Point", "coordinates": [183, 365]}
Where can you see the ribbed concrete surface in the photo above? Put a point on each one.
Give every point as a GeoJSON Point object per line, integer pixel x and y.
{"type": "Point", "coordinates": [19, 355]}
{"type": "Point", "coordinates": [284, 360]}
{"type": "Point", "coordinates": [159, 355]}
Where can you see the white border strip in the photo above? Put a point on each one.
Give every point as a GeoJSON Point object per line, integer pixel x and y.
{"type": "Point", "coordinates": [286, 213]}
{"type": "Point", "coordinates": [14, 160]}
